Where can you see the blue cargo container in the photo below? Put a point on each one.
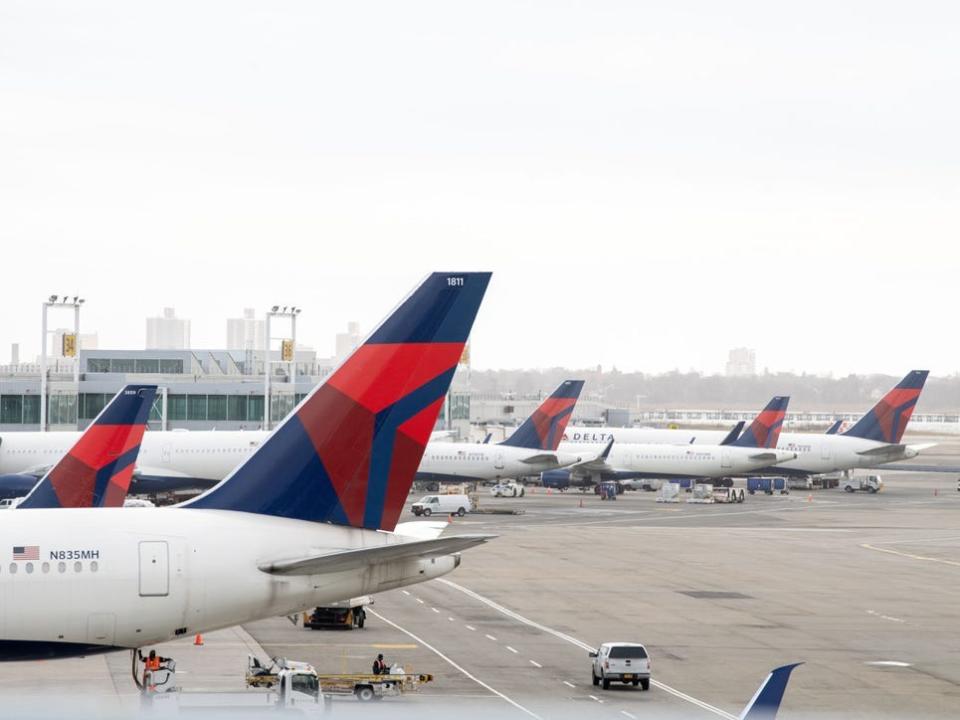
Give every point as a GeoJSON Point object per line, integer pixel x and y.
{"type": "Point", "coordinates": [767, 485]}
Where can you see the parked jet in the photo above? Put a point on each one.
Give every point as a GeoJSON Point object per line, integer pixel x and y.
{"type": "Point", "coordinates": [755, 449]}
{"type": "Point", "coordinates": [97, 470]}
{"type": "Point", "coordinates": [169, 461]}
{"type": "Point", "coordinates": [307, 519]}
{"type": "Point", "coordinates": [874, 440]}
{"type": "Point", "coordinates": [530, 450]}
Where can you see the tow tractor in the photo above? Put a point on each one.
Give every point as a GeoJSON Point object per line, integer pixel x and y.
{"type": "Point", "coordinates": [285, 685]}
{"type": "Point", "coordinates": [346, 614]}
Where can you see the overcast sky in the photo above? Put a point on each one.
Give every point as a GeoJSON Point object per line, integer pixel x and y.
{"type": "Point", "coordinates": [652, 183]}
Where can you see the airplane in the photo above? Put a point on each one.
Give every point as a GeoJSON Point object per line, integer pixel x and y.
{"type": "Point", "coordinates": [530, 450]}
{"type": "Point", "coordinates": [97, 470]}
{"type": "Point", "coordinates": [169, 461]}
{"type": "Point", "coordinates": [765, 703]}
{"type": "Point", "coordinates": [754, 449]}
{"type": "Point", "coordinates": [306, 519]}
{"type": "Point", "coordinates": [873, 440]}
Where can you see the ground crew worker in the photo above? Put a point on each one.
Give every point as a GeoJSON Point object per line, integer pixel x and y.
{"type": "Point", "coordinates": [151, 664]}
{"type": "Point", "coordinates": [379, 666]}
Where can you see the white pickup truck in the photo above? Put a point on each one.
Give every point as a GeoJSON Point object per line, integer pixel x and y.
{"type": "Point", "coordinates": [621, 662]}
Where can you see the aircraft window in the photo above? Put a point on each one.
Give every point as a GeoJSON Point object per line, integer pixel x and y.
{"type": "Point", "coordinates": [78, 566]}
{"type": "Point", "coordinates": [94, 566]}
{"type": "Point", "coordinates": [45, 568]}
{"type": "Point", "coordinates": [61, 567]}
{"type": "Point", "coordinates": [29, 568]}
{"type": "Point", "coordinates": [13, 568]}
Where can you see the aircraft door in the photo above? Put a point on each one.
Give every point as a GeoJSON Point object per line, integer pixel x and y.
{"type": "Point", "coordinates": [154, 568]}
{"type": "Point", "coordinates": [165, 453]}
{"type": "Point", "coordinates": [824, 450]}
{"type": "Point", "coordinates": [725, 460]}
{"type": "Point", "coordinates": [100, 628]}
{"type": "Point", "coordinates": [498, 461]}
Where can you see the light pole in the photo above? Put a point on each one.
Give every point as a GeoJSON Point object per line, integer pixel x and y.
{"type": "Point", "coordinates": [59, 302]}
{"type": "Point", "coordinates": [288, 354]}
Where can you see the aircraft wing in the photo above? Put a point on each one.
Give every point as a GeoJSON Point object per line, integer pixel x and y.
{"type": "Point", "coordinates": [158, 472]}
{"type": "Point", "coordinates": [541, 458]}
{"type": "Point", "coordinates": [597, 463]}
{"type": "Point", "coordinates": [360, 558]}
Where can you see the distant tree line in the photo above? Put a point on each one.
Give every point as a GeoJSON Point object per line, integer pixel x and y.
{"type": "Point", "coordinates": [693, 390]}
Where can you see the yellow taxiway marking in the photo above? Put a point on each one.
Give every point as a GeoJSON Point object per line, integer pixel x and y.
{"type": "Point", "coordinates": [911, 555]}
{"type": "Point", "coordinates": [395, 647]}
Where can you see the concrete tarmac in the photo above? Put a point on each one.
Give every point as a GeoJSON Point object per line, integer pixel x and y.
{"type": "Point", "coordinates": [861, 588]}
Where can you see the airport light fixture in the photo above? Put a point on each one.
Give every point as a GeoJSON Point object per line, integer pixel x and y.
{"type": "Point", "coordinates": [58, 301]}
{"type": "Point", "coordinates": [288, 348]}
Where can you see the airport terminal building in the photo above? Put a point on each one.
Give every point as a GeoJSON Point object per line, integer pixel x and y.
{"type": "Point", "coordinates": [215, 389]}
{"type": "Point", "coordinates": [224, 390]}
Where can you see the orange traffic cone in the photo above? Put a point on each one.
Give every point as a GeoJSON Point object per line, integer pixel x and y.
{"type": "Point", "coordinates": [198, 639]}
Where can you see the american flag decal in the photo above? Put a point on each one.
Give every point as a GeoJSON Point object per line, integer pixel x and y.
{"type": "Point", "coordinates": [26, 552]}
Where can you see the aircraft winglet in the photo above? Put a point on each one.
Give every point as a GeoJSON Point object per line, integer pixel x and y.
{"type": "Point", "coordinates": [766, 701]}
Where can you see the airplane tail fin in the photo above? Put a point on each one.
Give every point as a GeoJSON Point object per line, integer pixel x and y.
{"type": "Point", "coordinates": [349, 452]}
{"type": "Point", "coordinates": [888, 419]}
{"type": "Point", "coordinates": [733, 434]}
{"type": "Point", "coordinates": [835, 428]}
{"type": "Point", "coordinates": [766, 701]}
{"type": "Point", "coordinates": [543, 430]}
{"type": "Point", "coordinates": [97, 470]}
{"type": "Point", "coordinates": [764, 431]}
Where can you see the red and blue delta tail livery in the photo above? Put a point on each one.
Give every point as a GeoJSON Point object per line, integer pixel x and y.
{"type": "Point", "coordinates": [764, 431]}
{"type": "Point", "coordinates": [349, 452]}
{"type": "Point", "coordinates": [96, 472]}
{"type": "Point", "coordinates": [888, 419]}
{"type": "Point", "coordinates": [544, 429]}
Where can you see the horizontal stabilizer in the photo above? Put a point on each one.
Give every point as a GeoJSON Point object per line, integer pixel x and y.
{"type": "Point", "coordinates": [358, 559]}
{"type": "Point", "coordinates": [883, 450]}
{"type": "Point", "coordinates": [767, 456]}
{"type": "Point", "coordinates": [421, 529]}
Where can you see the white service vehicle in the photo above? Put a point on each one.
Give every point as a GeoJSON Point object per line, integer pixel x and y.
{"type": "Point", "coordinates": [10, 503]}
{"type": "Point", "coordinates": [508, 490]}
{"type": "Point", "coordinates": [442, 505]}
{"type": "Point", "coordinates": [867, 483]}
{"type": "Point", "coordinates": [621, 662]}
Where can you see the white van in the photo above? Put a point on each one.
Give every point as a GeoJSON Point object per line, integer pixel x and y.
{"type": "Point", "coordinates": [442, 505]}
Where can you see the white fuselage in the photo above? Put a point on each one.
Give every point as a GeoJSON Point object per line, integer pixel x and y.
{"type": "Point", "coordinates": [475, 461]}
{"type": "Point", "coordinates": [212, 455]}
{"type": "Point", "coordinates": [816, 453]}
{"type": "Point", "coordinates": [207, 455]}
{"type": "Point", "coordinates": [662, 460]}
{"type": "Point", "coordinates": [130, 578]}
